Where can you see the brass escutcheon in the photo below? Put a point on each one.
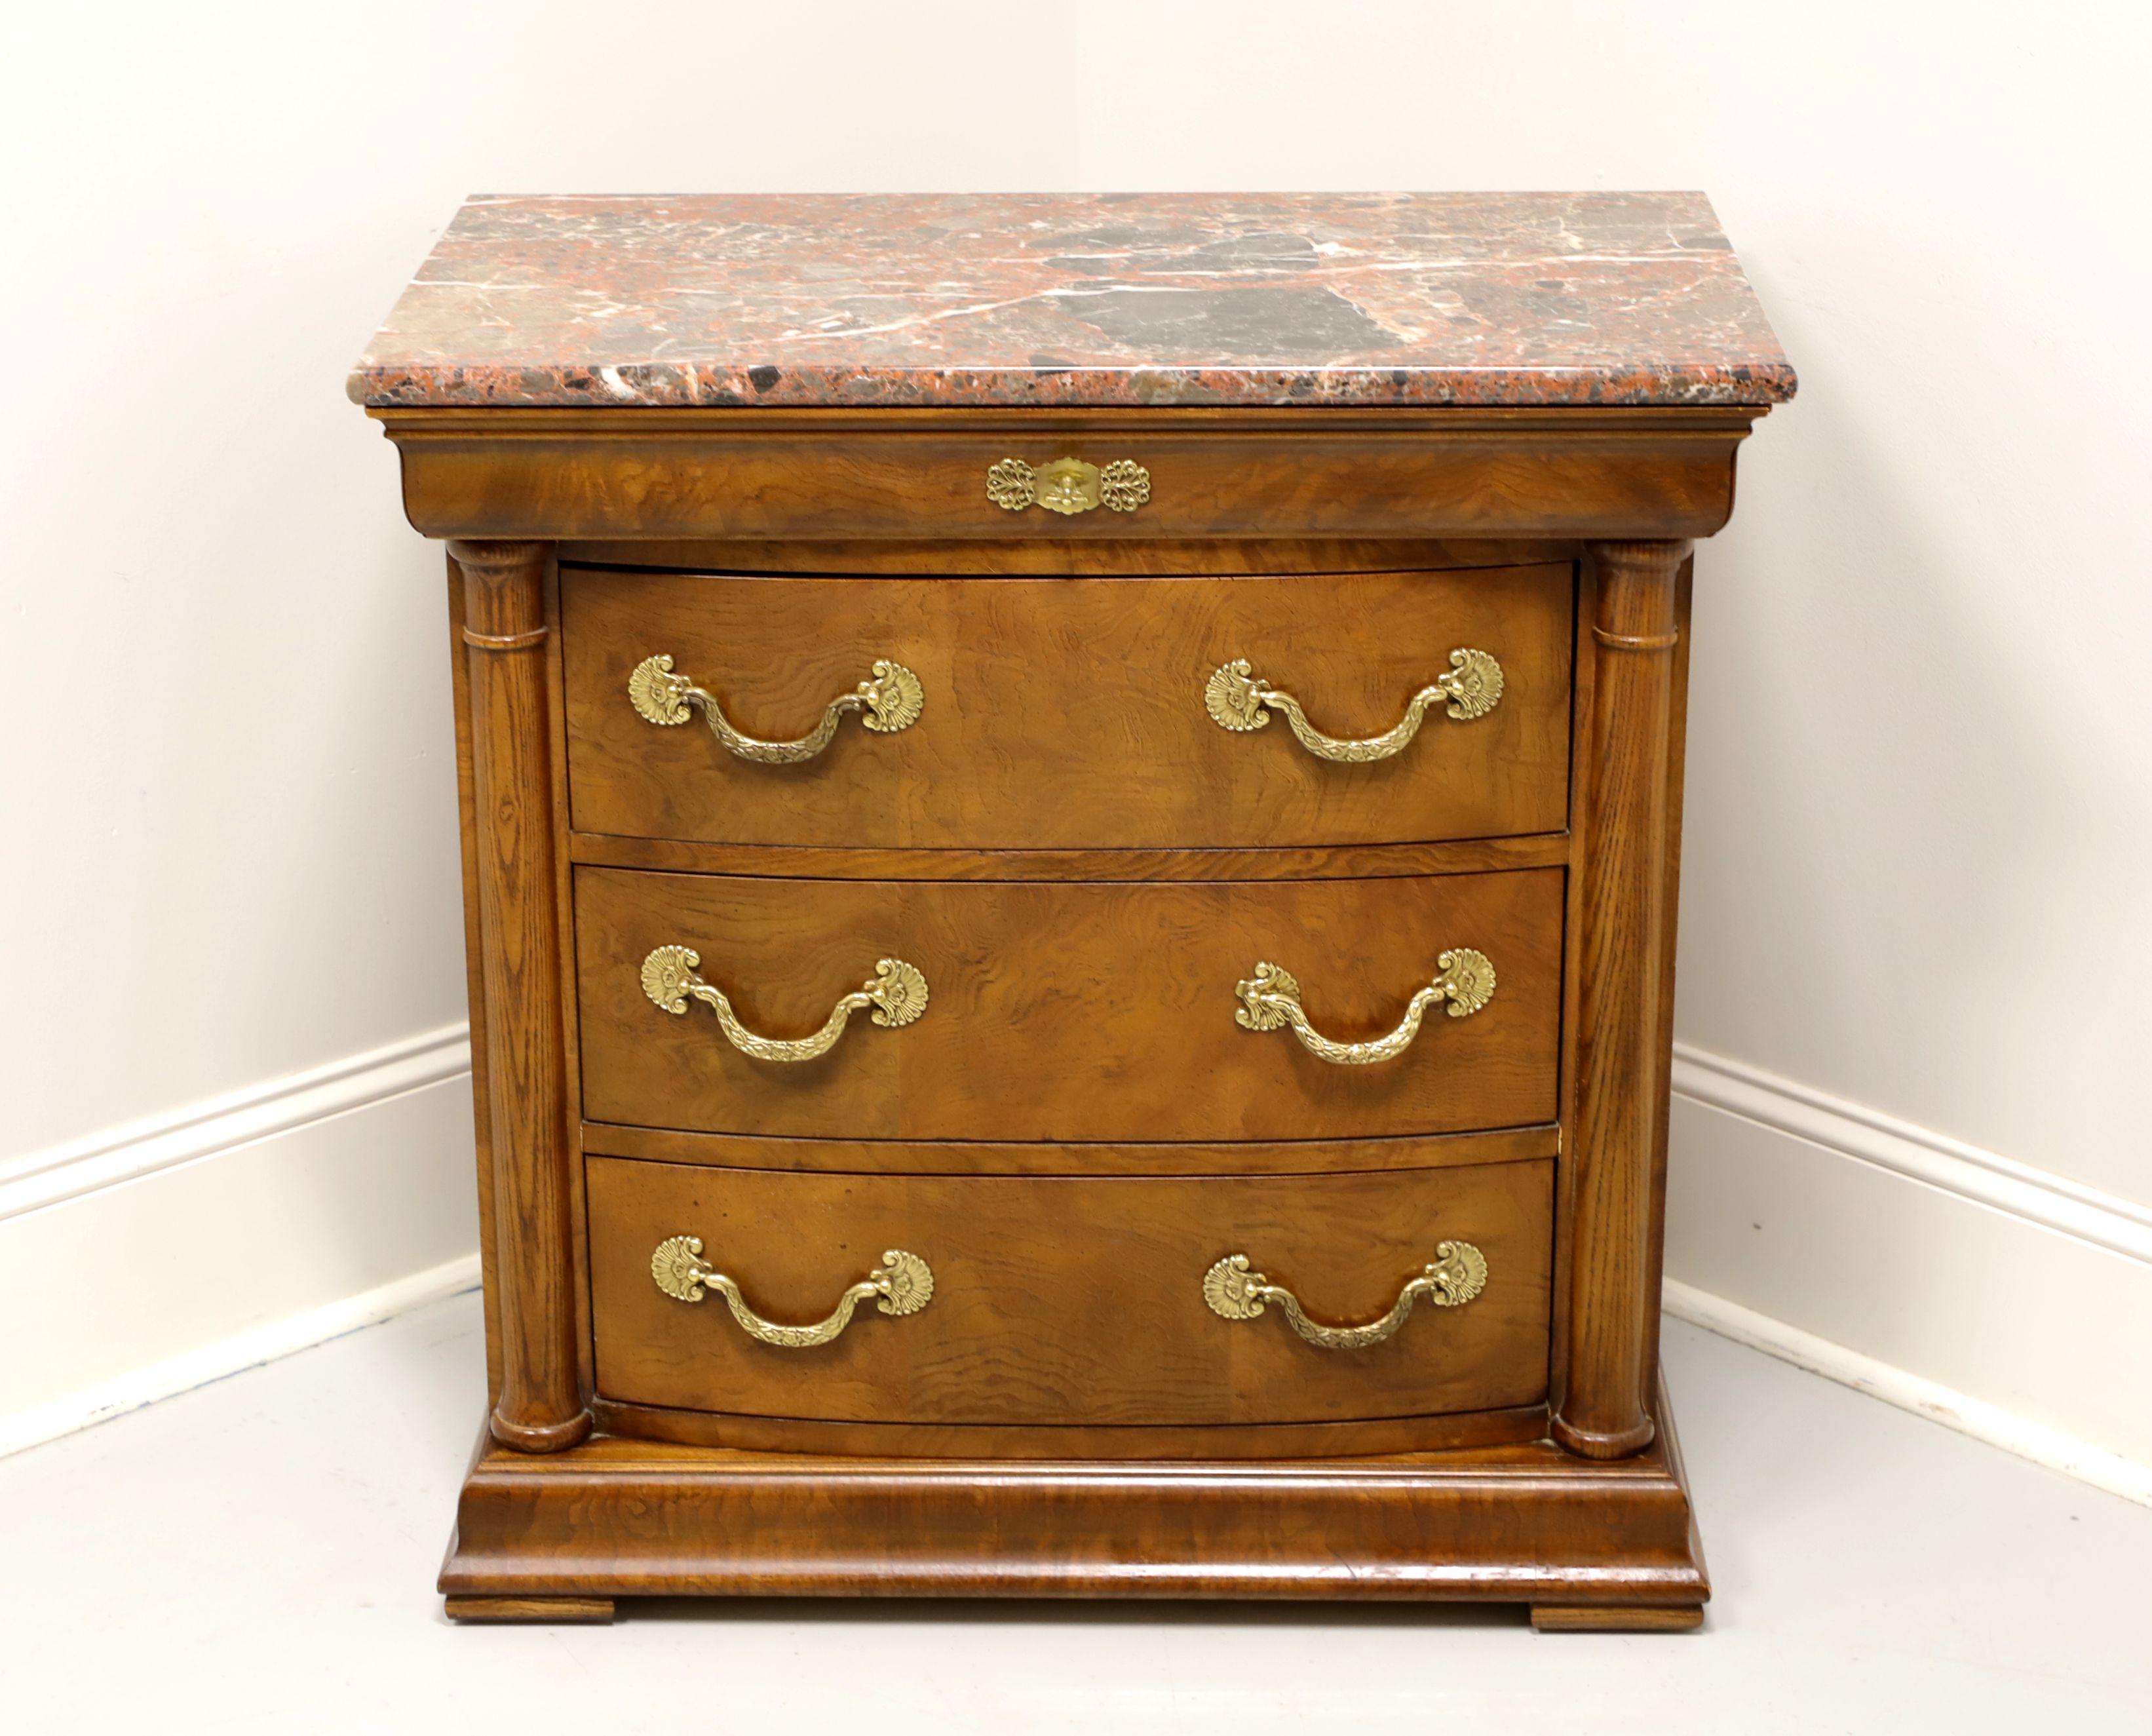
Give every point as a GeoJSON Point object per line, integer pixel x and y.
{"type": "Point", "coordinates": [1068, 485]}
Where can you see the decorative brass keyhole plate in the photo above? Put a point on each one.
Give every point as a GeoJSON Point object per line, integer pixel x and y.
{"type": "Point", "coordinates": [1069, 485]}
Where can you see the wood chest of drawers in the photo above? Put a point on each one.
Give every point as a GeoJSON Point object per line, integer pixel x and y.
{"type": "Point", "coordinates": [1071, 810]}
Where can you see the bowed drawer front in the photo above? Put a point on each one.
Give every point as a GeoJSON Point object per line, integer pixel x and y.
{"type": "Point", "coordinates": [1073, 1301]}
{"type": "Point", "coordinates": [999, 1010]}
{"type": "Point", "coordinates": [991, 713]}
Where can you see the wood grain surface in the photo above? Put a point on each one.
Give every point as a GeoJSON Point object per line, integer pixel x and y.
{"type": "Point", "coordinates": [1357, 861]}
{"type": "Point", "coordinates": [474, 977]}
{"type": "Point", "coordinates": [1044, 557]}
{"type": "Point", "coordinates": [1084, 865]}
{"type": "Point", "coordinates": [1437, 1432]}
{"type": "Point", "coordinates": [1071, 1301]}
{"type": "Point", "coordinates": [1615, 1182]}
{"type": "Point", "coordinates": [1069, 1011]}
{"type": "Point", "coordinates": [1069, 713]}
{"type": "Point", "coordinates": [540, 1406]}
{"type": "Point", "coordinates": [1519, 1523]}
{"type": "Point", "coordinates": [1025, 1157]}
{"type": "Point", "coordinates": [1335, 472]}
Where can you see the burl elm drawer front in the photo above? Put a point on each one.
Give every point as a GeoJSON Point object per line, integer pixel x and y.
{"type": "Point", "coordinates": [1147, 1011]}
{"type": "Point", "coordinates": [1070, 1301]}
{"type": "Point", "coordinates": [995, 713]}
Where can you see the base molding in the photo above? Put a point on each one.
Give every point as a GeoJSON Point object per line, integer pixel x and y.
{"type": "Point", "coordinates": [1615, 1541]}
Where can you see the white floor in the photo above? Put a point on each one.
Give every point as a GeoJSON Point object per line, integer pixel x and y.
{"type": "Point", "coordinates": [259, 1555]}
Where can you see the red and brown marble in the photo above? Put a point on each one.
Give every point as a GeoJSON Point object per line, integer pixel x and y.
{"type": "Point", "coordinates": [1048, 299]}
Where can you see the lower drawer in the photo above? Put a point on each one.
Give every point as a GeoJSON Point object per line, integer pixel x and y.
{"type": "Point", "coordinates": [1070, 1301]}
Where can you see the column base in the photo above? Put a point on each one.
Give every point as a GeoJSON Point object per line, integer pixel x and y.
{"type": "Point", "coordinates": [1590, 1444]}
{"type": "Point", "coordinates": [543, 1436]}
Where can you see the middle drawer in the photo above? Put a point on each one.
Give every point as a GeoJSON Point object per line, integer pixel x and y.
{"type": "Point", "coordinates": [1133, 1011]}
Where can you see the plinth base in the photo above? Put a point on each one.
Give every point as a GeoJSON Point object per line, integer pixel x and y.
{"type": "Point", "coordinates": [1589, 1544]}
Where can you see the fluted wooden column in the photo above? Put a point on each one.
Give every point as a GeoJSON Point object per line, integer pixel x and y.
{"type": "Point", "coordinates": [540, 1406]}
{"type": "Point", "coordinates": [1603, 1389]}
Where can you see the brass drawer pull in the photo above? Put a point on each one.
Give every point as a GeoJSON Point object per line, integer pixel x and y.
{"type": "Point", "coordinates": [1069, 485]}
{"type": "Point", "coordinates": [896, 991]}
{"type": "Point", "coordinates": [902, 1284]}
{"type": "Point", "coordinates": [1458, 1274]}
{"type": "Point", "coordinates": [1272, 998]}
{"type": "Point", "coordinates": [891, 697]}
{"type": "Point", "coordinates": [1239, 700]}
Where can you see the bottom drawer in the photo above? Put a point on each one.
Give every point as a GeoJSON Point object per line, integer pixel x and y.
{"type": "Point", "coordinates": [1069, 1301]}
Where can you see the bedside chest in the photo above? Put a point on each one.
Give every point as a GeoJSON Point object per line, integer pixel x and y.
{"type": "Point", "coordinates": [1071, 810]}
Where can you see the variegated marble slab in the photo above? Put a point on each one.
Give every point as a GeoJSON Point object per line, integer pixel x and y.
{"type": "Point", "coordinates": [1058, 299]}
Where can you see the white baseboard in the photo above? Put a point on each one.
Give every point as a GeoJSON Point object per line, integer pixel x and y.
{"type": "Point", "coordinates": [173, 1251]}
{"type": "Point", "coordinates": [2011, 1304]}
{"type": "Point", "coordinates": [1987, 1178]}
{"type": "Point", "coordinates": [1986, 1422]}
{"type": "Point", "coordinates": [142, 1148]}
{"type": "Point", "coordinates": [244, 1350]}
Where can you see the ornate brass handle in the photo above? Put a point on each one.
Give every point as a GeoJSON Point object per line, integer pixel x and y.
{"type": "Point", "coordinates": [1272, 998]}
{"type": "Point", "coordinates": [1239, 700]}
{"type": "Point", "coordinates": [1458, 1274]}
{"type": "Point", "coordinates": [1069, 485]}
{"type": "Point", "coordinates": [891, 697]}
{"type": "Point", "coordinates": [896, 991]}
{"type": "Point", "coordinates": [903, 1283]}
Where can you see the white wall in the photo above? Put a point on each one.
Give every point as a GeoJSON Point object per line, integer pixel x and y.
{"type": "Point", "coordinates": [1921, 771]}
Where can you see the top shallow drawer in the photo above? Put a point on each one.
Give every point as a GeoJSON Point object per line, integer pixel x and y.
{"type": "Point", "coordinates": [1598, 470]}
{"type": "Point", "coordinates": [1072, 713]}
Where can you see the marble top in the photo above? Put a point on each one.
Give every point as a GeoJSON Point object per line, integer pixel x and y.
{"type": "Point", "coordinates": [1052, 299]}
